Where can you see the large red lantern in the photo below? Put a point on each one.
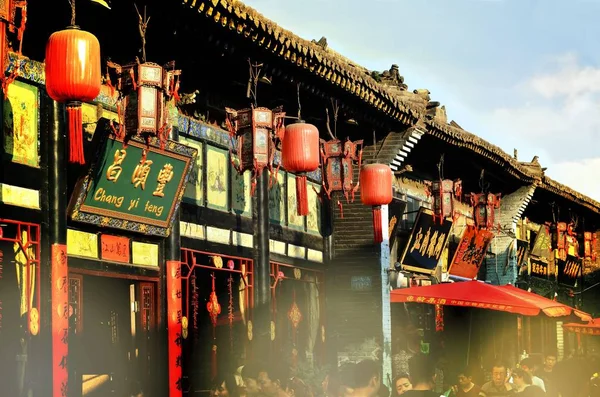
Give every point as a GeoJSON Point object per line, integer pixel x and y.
{"type": "Point", "coordinates": [376, 190]}
{"type": "Point", "coordinates": [300, 154]}
{"type": "Point", "coordinates": [73, 76]}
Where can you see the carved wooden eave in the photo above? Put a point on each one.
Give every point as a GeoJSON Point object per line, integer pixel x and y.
{"type": "Point", "coordinates": [315, 57]}
{"type": "Point", "coordinates": [526, 172]}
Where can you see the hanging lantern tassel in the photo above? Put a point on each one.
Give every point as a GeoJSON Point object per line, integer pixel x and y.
{"type": "Point", "coordinates": [439, 318]}
{"type": "Point", "coordinates": [76, 155]}
{"type": "Point", "coordinates": [301, 195]}
{"type": "Point", "coordinates": [377, 232]}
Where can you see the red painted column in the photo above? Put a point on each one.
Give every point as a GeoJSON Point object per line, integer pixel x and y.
{"type": "Point", "coordinates": [174, 327]}
{"type": "Point", "coordinates": [60, 320]}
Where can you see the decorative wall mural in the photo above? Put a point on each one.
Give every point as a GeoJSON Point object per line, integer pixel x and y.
{"type": "Point", "coordinates": [21, 124]}
{"type": "Point", "coordinates": [313, 219]}
{"type": "Point", "coordinates": [277, 200]}
{"type": "Point", "coordinates": [194, 190]}
{"type": "Point", "coordinates": [295, 221]}
{"type": "Point", "coordinates": [241, 200]}
{"type": "Point", "coordinates": [217, 167]}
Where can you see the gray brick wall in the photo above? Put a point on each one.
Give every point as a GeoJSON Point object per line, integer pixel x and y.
{"type": "Point", "coordinates": [502, 269]}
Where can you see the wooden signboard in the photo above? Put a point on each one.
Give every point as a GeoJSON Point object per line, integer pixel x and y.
{"type": "Point", "coordinates": [539, 268]}
{"type": "Point", "coordinates": [470, 252]}
{"type": "Point", "coordinates": [569, 270]}
{"type": "Point", "coordinates": [426, 243]}
{"type": "Point", "coordinates": [127, 190]}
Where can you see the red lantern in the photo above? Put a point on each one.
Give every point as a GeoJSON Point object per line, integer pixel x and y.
{"type": "Point", "coordinates": [73, 76]}
{"type": "Point", "coordinates": [300, 154]}
{"type": "Point", "coordinates": [376, 190]}
{"type": "Point", "coordinates": [484, 209]}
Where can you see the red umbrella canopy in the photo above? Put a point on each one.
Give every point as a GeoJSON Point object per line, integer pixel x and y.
{"type": "Point", "coordinates": [548, 306]}
{"type": "Point", "coordinates": [591, 328]}
{"type": "Point", "coordinates": [485, 296]}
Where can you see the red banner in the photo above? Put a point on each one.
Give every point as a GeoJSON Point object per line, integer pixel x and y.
{"type": "Point", "coordinates": [115, 248]}
{"type": "Point", "coordinates": [174, 327]}
{"type": "Point", "coordinates": [60, 321]}
{"type": "Point", "coordinates": [470, 252]}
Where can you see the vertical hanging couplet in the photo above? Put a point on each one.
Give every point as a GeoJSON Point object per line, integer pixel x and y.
{"type": "Point", "coordinates": [376, 190]}
{"type": "Point", "coordinates": [300, 154]}
{"type": "Point", "coordinates": [174, 327]}
{"type": "Point", "coordinates": [73, 76]}
{"type": "Point", "coordinates": [60, 320]}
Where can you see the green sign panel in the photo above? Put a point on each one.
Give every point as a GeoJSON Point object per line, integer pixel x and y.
{"type": "Point", "coordinates": [134, 187]}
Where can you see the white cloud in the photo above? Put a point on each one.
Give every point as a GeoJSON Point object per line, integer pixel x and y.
{"type": "Point", "coordinates": [580, 175]}
{"type": "Point", "coordinates": [556, 115]}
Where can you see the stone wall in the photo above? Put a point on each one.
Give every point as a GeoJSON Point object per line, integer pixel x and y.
{"type": "Point", "coordinates": [502, 269]}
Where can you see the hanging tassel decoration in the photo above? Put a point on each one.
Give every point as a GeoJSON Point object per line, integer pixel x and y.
{"type": "Point", "coordinates": [214, 309]}
{"type": "Point", "coordinates": [439, 318]}
{"type": "Point", "coordinates": [76, 155]}
{"type": "Point", "coordinates": [230, 308]}
{"type": "Point", "coordinates": [301, 195]}
{"type": "Point", "coordinates": [377, 226]}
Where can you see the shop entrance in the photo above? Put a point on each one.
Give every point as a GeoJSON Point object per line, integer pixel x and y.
{"type": "Point", "coordinates": [112, 323]}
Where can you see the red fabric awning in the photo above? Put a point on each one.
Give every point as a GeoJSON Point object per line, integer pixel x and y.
{"type": "Point", "coordinates": [485, 296]}
{"type": "Point", "coordinates": [591, 328]}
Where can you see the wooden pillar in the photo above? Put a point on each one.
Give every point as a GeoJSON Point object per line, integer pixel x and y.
{"type": "Point", "coordinates": [170, 324]}
{"type": "Point", "coordinates": [53, 365]}
{"type": "Point", "coordinates": [261, 316]}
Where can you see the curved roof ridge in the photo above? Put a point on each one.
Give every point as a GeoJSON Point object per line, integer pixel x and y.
{"type": "Point", "coordinates": [326, 63]}
{"type": "Point", "coordinates": [462, 138]}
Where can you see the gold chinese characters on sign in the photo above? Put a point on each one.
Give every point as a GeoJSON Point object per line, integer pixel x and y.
{"type": "Point", "coordinates": [141, 173]}
{"type": "Point", "coordinates": [426, 243]}
{"type": "Point", "coordinates": [429, 246]}
{"type": "Point", "coordinates": [539, 268]}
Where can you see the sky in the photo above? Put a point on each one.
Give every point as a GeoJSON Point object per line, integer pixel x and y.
{"type": "Point", "coordinates": [521, 74]}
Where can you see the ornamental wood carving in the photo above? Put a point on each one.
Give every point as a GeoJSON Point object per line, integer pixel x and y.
{"type": "Point", "coordinates": [337, 165]}
{"type": "Point", "coordinates": [255, 133]}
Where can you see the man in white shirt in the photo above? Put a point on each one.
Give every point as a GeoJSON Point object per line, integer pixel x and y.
{"type": "Point", "coordinates": [528, 366]}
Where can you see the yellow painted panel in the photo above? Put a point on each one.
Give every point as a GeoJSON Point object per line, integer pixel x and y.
{"type": "Point", "coordinates": [82, 244]}
{"type": "Point", "coordinates": [144, 254]}
{"type": "Point", "coordinates": [217, 167]}
{"type": "Point", "coordinates": [20, 124]}
{"type": "Point", "coordinates": [20, 196]}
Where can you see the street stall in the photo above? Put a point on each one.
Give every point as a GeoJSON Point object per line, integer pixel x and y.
{"type": "Point", "coordinates": [485, 331]}
{"type": "Point", "coordinates": [586, 335]}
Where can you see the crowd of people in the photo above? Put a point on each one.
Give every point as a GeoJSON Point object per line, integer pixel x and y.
{"type": "Point", "coordinates": [570, 378]}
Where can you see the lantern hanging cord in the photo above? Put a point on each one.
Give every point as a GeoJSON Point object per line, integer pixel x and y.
{"type": "Point", "coordinates": [484, 186]}
{"type": "Point", "coordinates": [374, 146]}
{"type": "Point", "coordinates": [72, 4]}
{"type": "Point", "coordinates": [440, 167]}
{"type": "Point", "coordinates": [299, 104]}
{"type": "Point", "coordinates": [253, 75]}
